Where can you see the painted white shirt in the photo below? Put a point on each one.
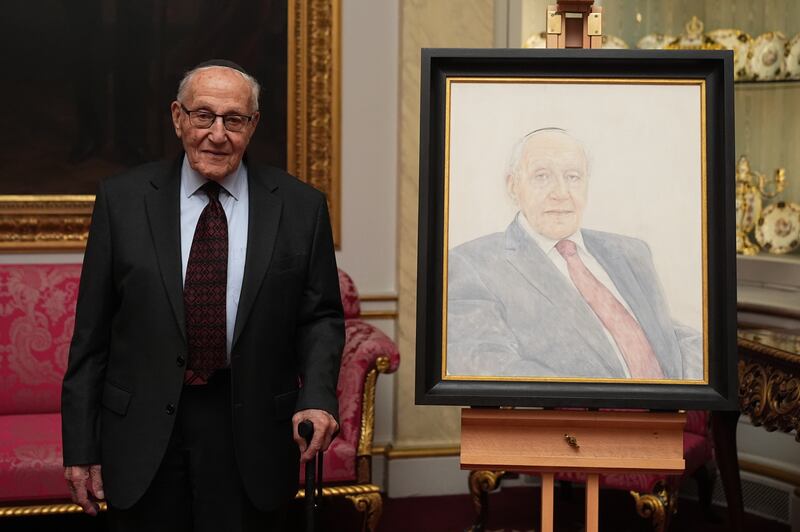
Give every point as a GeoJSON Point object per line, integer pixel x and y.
{"type": "Point", "coordinates": [235, 200]}
{"type": "Point", "coordinates": [548, 246]}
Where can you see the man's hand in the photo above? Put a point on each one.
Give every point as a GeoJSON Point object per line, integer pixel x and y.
{"type": "Point", "coordinates": [86, 486]}
{"type": "Point", "coordinates": [325, 427]}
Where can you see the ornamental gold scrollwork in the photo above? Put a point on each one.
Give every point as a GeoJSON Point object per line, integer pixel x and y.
{"type": "Point", "coordinates": [770, 396]}
{"type": "Point", "coordinates": [364, 451]}
{"type": "Point", "coordinates": [480, 484]}
{"type": "Point", "coordinates": [313, 116]}
{"type": "Point", "coordinates": [371, 505]}
{"type": "Point", "coordinates": [654, 506]}
{"type": "Point", "coordinates": [45, 509]}
{"type": "Point", "coordinates": [29, 223]}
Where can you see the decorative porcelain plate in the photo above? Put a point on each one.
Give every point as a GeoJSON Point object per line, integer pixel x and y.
{"type": "Point", "coordinates": [778, 228]}
{"type": "Point", "coordinates": [739, 42]}
{"type": "Point", "coordinates": [536, 40]}
{"type": "Point", "coordinates": [793, 58]}
{"type": "Point", "coordinates": [765, 60]}
{"type": "Point", "coordinates": [654, 41]}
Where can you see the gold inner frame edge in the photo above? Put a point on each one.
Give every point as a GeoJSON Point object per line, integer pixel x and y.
{"type": "Point", "coordinates": [701, 83]}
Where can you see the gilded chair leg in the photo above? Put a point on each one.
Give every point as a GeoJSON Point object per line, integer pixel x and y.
{"type": "Point", "coordinates": [657, 506]}
{"type": "Point", "coordinates": [480, 484]}
{"type": "Point", "coordinates": [371, 505]}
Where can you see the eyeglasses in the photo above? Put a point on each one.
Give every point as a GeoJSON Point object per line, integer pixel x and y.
{"type": "Point", "coordinates": [204, 119]}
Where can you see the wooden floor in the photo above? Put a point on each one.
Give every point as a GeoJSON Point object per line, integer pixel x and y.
{"type": "Point", "coordinates": [512, 509]}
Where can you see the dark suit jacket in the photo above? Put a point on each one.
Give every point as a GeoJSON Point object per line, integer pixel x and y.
{"type": "Point", "coordinates": [126, 362]}
{"type": "Point", "coordinates": [511, 312]}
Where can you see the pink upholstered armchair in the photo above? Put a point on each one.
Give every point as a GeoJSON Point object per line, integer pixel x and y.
{"type": "Point", "coordinates": [655, 494]}
{"type": "Point", "coordinates": [348, 462]}
{"type": "Point", "coordinates": [37, 316]}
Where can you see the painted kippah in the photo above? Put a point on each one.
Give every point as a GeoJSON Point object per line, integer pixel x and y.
{"type": "Point", "coordinates": [221, 63]}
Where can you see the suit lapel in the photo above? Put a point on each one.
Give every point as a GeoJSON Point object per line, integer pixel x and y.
{"type": "Point", "coordinates": [531, 262]}
{"type": "Point", "coordinates": [262, 231]}
{"type": "Point", "coordinates": [163, 213]}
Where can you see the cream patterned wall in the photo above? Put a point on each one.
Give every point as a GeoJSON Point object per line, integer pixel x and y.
{"type": "Point", "coordinates": [424, 23]}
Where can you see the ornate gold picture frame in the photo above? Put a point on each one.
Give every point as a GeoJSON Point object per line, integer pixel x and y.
{"type": "Point", "coordinates": [61, 222]}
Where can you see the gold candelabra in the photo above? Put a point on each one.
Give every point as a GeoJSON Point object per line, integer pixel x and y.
{"type": "Point", "coordinates": [751, 188]}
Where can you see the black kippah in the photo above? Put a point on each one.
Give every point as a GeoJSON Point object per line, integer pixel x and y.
{"type": "Point", "coordinates": [221, 63]}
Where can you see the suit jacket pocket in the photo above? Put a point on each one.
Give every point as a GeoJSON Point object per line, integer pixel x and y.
{"type": "Point", "coordinates": [116, 399]}
{"type": "Point", "coordinates": [285, 404]}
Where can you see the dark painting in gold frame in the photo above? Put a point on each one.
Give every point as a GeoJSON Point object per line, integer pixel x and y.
{"type": "Point", "coordinates": [305, 138]}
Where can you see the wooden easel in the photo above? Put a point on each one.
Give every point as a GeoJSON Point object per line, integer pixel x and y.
{"type": "Point", "coordinates": [552, 441]}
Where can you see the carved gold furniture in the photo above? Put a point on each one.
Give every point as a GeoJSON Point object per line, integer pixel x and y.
{"type": "Point", "coordinates": [769, 392]}
{"type": "Point", "coordinates": [769, 378]}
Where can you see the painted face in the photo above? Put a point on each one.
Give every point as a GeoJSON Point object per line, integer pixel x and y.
{"type": "Point", "coordinates": [551, 183]}
{"type": "Point", "coordinates": [215, 152]}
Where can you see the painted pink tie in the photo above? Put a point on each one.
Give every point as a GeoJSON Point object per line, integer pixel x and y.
{"type": "Point", "coordinates": [627, 334]}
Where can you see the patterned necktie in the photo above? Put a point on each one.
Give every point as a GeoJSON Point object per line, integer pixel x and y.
{"type": "Point", "coordinates": [204, 291]}
{"type": "Point", "coordinates": [624, 329]}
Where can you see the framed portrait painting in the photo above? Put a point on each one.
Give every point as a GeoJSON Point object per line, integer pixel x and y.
{"type": "Point", "coordinates": [576, 243]}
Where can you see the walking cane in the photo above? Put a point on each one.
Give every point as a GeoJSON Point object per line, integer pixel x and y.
{"type": "Point", "coordinates": [313, 488]}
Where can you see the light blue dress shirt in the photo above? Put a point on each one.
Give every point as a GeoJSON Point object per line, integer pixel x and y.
{"type": "Point", "coordinates": [235, 202]}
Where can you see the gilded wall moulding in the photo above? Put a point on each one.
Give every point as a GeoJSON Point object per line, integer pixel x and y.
{"type": "Point", "coordinates": [33, 223]}
{"type": "Point", "coordinates": [61, 222]}
{"type": "Point", "coordinates": [314, 106]}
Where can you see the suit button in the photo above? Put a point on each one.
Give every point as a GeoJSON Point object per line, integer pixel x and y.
{"type": "Point", "coordinates": [180, 361]}
{"type": "Point", "coordinates": [170, 409]}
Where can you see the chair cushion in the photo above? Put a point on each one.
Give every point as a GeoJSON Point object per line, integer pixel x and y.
{"type": "Point", "coordinates": [30, 458]}
{"type": "Point", "coordinates": [37, 316]}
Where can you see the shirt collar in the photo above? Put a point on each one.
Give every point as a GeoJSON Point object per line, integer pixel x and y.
{"type": "Point", "coordinates": [548, 244]}
{"type": "Point", "coordinates": [191, 180]}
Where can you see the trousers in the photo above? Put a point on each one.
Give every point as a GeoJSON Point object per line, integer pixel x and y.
{"type": "Point", "coordinates": [197, 487]}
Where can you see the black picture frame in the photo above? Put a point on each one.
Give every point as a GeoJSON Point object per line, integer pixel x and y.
{"type": "Point", "coordinates": [713, 69]}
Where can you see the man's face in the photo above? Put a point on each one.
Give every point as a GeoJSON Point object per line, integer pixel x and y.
{"type": "Point", "coordinates": [215, 152]}
{"type": "Point", "coordinates": [551, 184]}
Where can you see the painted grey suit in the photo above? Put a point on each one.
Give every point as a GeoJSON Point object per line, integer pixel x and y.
{"type": "Point", "coordinates": [512, 313]}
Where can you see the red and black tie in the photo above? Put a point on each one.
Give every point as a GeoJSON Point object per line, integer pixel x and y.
{"type": "Point", "coordinates": [204, 291]}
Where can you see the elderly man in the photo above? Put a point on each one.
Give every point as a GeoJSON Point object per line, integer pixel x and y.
{"type": "Point", "coordinates": [549, 299]}
{"type": "Point", "coordinates": [208, 326]}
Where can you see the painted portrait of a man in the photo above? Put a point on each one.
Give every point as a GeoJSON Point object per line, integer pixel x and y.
{"type": "Point", "coordinates": [548, 297]}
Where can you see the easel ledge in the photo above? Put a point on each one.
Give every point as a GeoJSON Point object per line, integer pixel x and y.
{"type": "Point", "coordinates": [568, 440]}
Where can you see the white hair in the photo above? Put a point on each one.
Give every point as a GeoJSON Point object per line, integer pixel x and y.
{"type": "Point", "coordinates": [255, 88]}
{"type": "Point", "coordinates": [512, 166]}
